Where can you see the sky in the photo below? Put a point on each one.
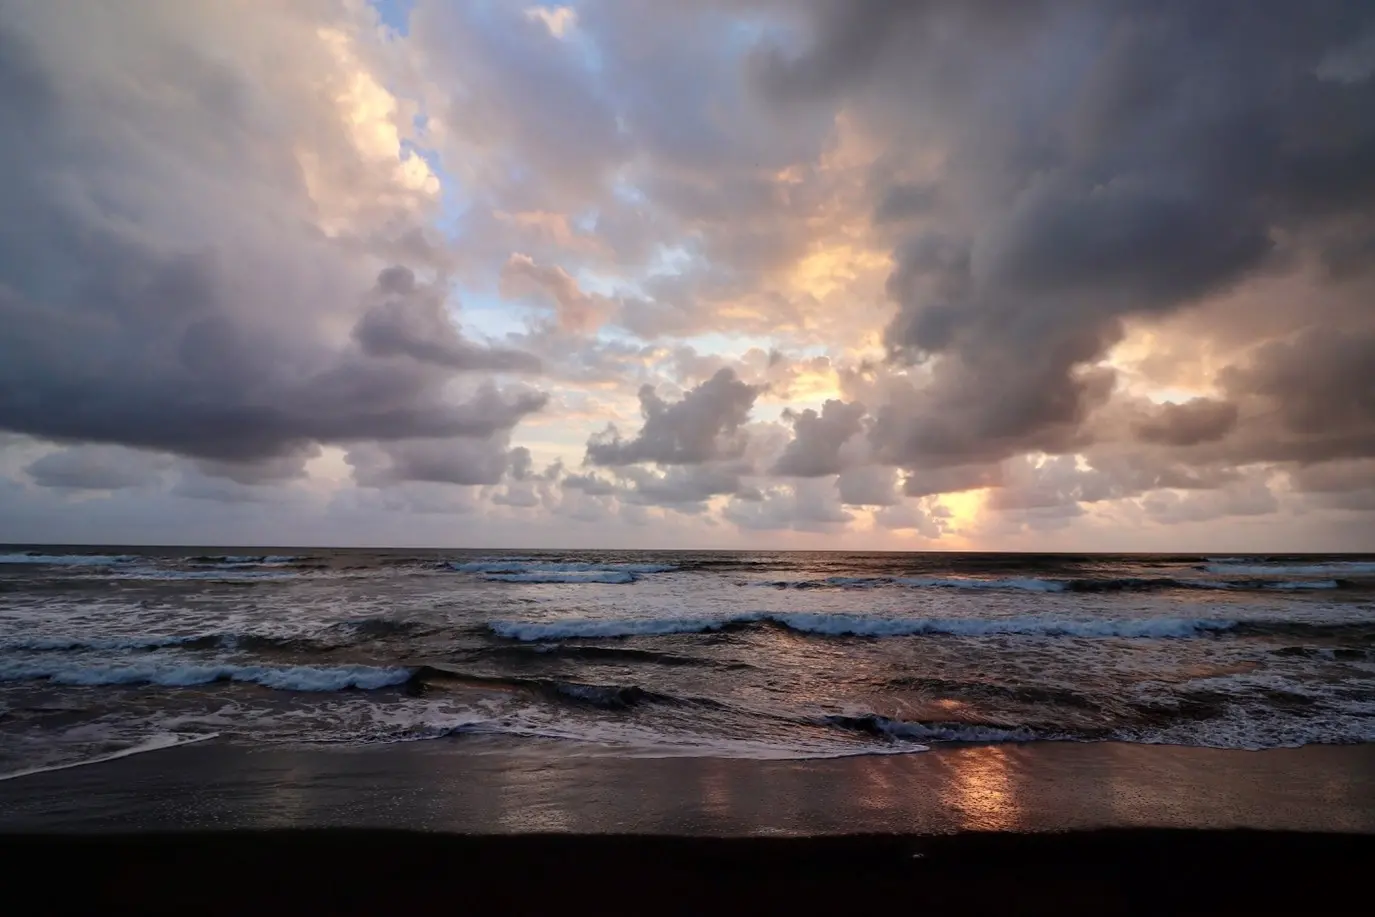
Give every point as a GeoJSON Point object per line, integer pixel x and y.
{"type": "Point", "coordinates": [1047, 275]}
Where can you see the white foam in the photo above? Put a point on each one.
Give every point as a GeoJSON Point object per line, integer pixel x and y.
{"type": "Point", "coordinates": [171, 675]}
{"type": "Point", "coordinates": [156, 743]}
{"type": "Point", "coordinates": [1333, 568]}
{"type": "Point", "coordinates": [591, 576]}
{"type": "Point", "coordinates": [867, 626]}
{"type": "Point", "coordinates": [67, 560]}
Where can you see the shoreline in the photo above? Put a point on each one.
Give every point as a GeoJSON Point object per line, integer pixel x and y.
{"type": "Point", "coordinates": [488, 786]}
{"type": "Point", "coordinates": [499, 827]}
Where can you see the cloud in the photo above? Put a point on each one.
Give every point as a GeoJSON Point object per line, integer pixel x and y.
{"type": "Point", "coordinates": [808, 505]}
{"type": "Point", "coordinates": [702, 427]}
{"type": "Point", "coordinates": [189, 233]}
{"type": "Point", "coordinates": [1108, 262]}
{"type": "Point", "coordinates": [818, 439]}
{"type": "Point", "coordinates": [577, 312]}
{"type": "Point", "coordinates": [590, 484]}
{"type": "Point", "coordinates": [685, 488]}
{"type": "Point", "coordinates": [1198, 420]}
{"type": "Point", "coordinates": [466, 462]}
{"type": "Point", "coordinates": [868, 485]}
{"type": "Point", "coordinates": [408, 320]}
{"type": "Point", "coordinates": [1157, 160]}
{"type": "Point", "coordinates": [1318, 386]}
{"type": "Point", "coordinates": [908, 517]}
{"type": "Point", "coordinates": [89, 467]}
{"type": "Point", "coordinates": [1251, 497]}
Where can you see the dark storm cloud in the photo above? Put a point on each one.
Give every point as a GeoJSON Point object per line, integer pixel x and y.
{"type": "Point", "coordinates": [868, 485]}
{"type": "Point", "coordinates": [467, 462]}
{"type": "Point", "coordinates": [590, 484]}
{"type": "Point", "coordinates": [164, 284]}
{"type": "Point", "coordinates": [89, 467]}
{"type": "Point", "coordinates": [1320, 387]}
{"type": "Point", "coordinates": [924, 482]}
{"type": "Point", "coordinates": [1198, 420]}
{"type": "Point", "coordinates": [702, 427]}
{"type": "Point", "coordinates": [410, 320]}
{"type": "Point", "coordinates": [815, 449]}
{"type": "Point", "coordinates": [1104, 161]}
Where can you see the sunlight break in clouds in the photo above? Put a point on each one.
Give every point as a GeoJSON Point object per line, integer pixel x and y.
{"type": "Point", "coordinates": [1046, 276]}
{"type": "Point", "coordinates": [559, 20]}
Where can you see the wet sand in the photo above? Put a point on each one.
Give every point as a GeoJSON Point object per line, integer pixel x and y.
{"type": "Point", "coordinates": [482, 786]}
{"type": "Point", "coordinates": [497, 827]}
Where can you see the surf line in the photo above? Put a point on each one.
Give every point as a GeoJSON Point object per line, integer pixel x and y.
{"type": "Point", "coordinates": [155, 744]}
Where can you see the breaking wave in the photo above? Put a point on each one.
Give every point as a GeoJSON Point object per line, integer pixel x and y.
{"type": "Point", "coordinates": [526, 570]}
{"type": "Point", "coordinates": [882, 726]}
{"type": "Point", "coordinates": [862, 626]}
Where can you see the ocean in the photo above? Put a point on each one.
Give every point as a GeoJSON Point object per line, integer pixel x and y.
{"type": "Point", "coordinates": [108, 652]}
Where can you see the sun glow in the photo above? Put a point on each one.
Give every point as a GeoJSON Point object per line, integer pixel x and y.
{"type": "Point", "coordinates": [964, 507]}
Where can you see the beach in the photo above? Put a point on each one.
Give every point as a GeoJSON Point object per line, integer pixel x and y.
{"type": "Point", "coordinates": [480, 785]}
{"type": "Point", "coordinates": [404, 732]}
{"type": "Point", "coordinates": [533, 828]}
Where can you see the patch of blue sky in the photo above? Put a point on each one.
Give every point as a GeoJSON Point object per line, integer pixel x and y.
{"type": "Point", "coordinates": [484, 315]}
{"type": "Point", "coordinates": [627, 192]}
{"type": "Point", "coordinates": [395, 14]}
{"type": "Point", "coordinates": [671, 259]}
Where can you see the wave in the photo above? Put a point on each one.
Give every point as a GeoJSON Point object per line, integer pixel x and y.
{"type": "Point", "coordinates": [244, 560]}
{"type": "Point", "coordinates": [1032, 584]}
{"type": "Point", "coordinates": [60, 643]}
{"type": "Point", "coordinates": [875, 725]}
{"type": "Point", "coordinates": [525, 567]}
{"type": "Point", "coordinates": [225, 574]}
{"type": "Point", "coordinates": [605, 577]}
{"type": "Point", "coordinates": [1332, 568]}
{"type": "Point", "coordinates": [171, 675]}
{"type": "Point", "coordinates": [603, 696]}
{"type": "Point", "coordinates": [155, 743]}
{"type": "Point", "coordinates": [838, 625]}
{"type": "Point", "coordinates": [1025, 584]}
{"type": "Point", "coordinates": [67, 560]}
{"type": "Point", "coordinates": [523, 653]}
{"type": "Point", "coordinates": [322, 638]}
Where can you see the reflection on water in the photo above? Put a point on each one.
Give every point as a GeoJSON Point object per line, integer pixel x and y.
{"type": "Point", "coordinates": [980, 787]}
{"type": "Point", "coordinates": [525, 802]}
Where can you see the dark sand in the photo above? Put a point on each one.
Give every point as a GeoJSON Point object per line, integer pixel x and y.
{"type": "Point", "coordinates": [376, 872]}
{"type": "Point", "coordinates": [500, 828]}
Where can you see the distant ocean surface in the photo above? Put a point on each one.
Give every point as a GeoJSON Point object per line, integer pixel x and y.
{"type": "Point", "coordinates": [106, 652]}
